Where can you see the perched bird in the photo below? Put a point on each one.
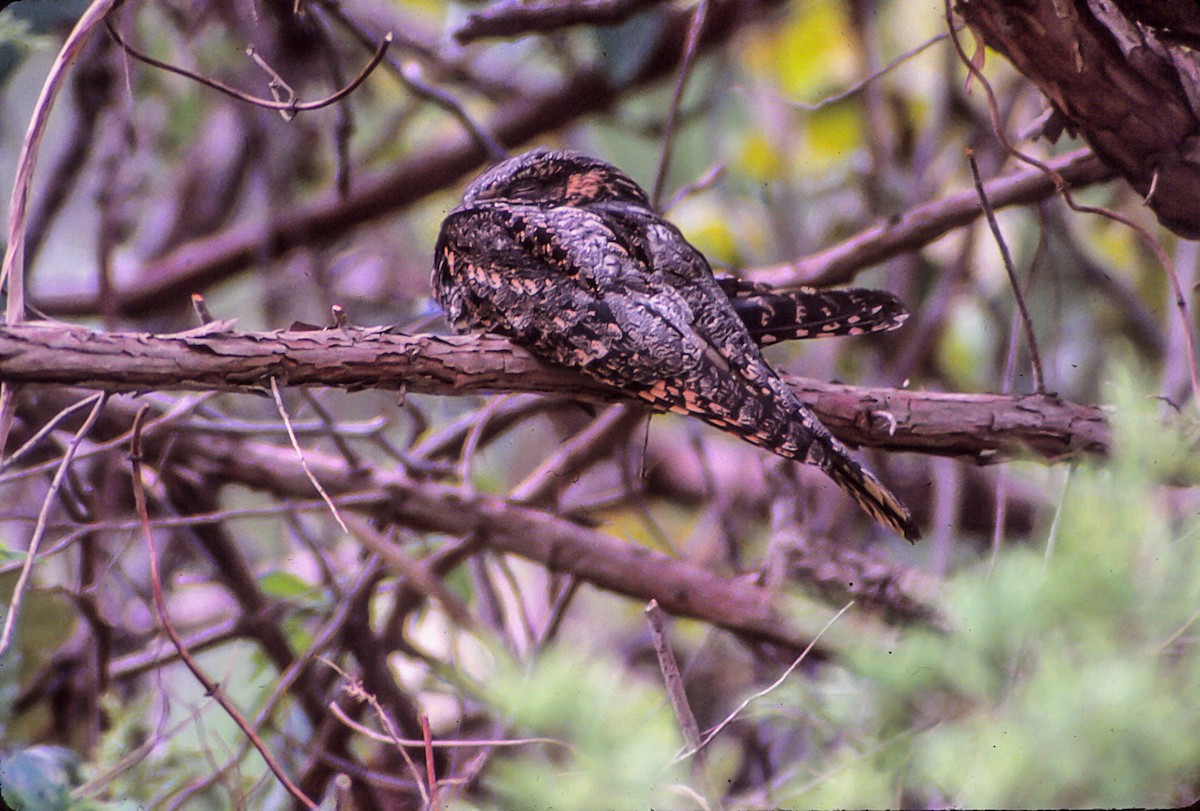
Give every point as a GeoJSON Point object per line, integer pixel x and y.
{"type": "Point", "coordinates": [564, 254]}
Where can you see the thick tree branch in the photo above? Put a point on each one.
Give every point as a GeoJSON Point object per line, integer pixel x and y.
{"type": "Point", "coordinates": [1132, 95]}
{"type": "Point", "coordinates": [982, 426]}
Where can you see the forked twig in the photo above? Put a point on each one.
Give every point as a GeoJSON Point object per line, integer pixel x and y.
{"type": "Point", "coordinates": [39, 530]}
{"type": "Point", "coordinates": [290, 106]}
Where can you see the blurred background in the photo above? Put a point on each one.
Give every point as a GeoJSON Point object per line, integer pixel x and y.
{"type": "Point", "coordinates": [1033, 650]}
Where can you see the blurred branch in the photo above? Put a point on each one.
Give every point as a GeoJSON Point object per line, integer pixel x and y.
{"type": "Point", "coordinates": [982, 426]}
{"type": "Point", "coordinates": [515, 18]}
{"type": "Point", "coordinates": [682, 588]}
{"type": "Point", "coordinates": [927, 223]}
{"type": "Point", "coordinates": [207, 261]}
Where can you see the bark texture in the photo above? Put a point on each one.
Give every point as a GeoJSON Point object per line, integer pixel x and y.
{"type": "Point", "coordinates": [1130, 88]}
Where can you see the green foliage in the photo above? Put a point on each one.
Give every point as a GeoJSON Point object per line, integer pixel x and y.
{"type": "Point", "coordinates": [621, 733]}
{"type": "Point", "coordinates": [1059, 683]}
{"type": "Point", "coordinates": [39, 778]}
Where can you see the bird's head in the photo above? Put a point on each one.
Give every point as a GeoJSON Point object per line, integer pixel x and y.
{"type": "Point", "coordinates": [549, 178]}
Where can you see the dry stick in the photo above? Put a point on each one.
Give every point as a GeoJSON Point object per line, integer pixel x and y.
{"type": "Point", "coordinates": [685, 67]}
{"type": "Point", "coordinates": [211, 688]}
{"type": "Point", "coordinates": [765, 691]}
{"type": "Point", "coordinates": [678, 696]}
{"type": "Point", "coordinates": [430, 771]}
{"type": "Point", "coordinates": [1156, 246]}
{"type": "Point", "coordinates": [291, 106]}
{"type": "Point", "coordinates": [671, 676]}
{"type": "Point", "coordinates": [1026, 322]}
{"type": "Point", "coordinates": [287, 423]}
{"type": "Point", "coordinates": [39, 530]}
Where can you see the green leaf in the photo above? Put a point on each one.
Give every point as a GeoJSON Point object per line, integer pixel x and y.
{"type": "Point", "coordinates": [284, 585]}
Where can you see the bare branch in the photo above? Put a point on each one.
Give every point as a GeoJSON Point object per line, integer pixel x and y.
{"type": "Point", "coordinates": [515, 18]}
{"type": "Point", "coordinates": [927, 223]}
{"type": "Point", "coordinates": [985, 427]}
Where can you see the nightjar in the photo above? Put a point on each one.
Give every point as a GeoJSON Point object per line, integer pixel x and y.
{"type": "Point", "coordinates": [564, 254]}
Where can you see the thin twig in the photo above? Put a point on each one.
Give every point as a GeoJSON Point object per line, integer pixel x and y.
{"type": "Point", "coordinates": [1035, 358]}
{"type": "Point", "coordinates": [482, 417]}
{"type": "Point", "coordinates": [411, 75]}
{"type": "Point", "coordinates": [440, 743]}
{"type": "Point", "coordinates": [211, 688]}
{"type": "Point", "coordinates": [331, 429]}
{"type": "Point", "coordinates": [35, 541]}
{"type": "Point", "coordinates": [430, 771]}
{"type": "Point", "coordinates": [709, 178]}
{"type": "Point", "coordinates": [685, 67]}
{"type": "Point", "coordinates": [765, 691]}
{"type": "Point", "coordinates": [287, 422]}
{"type": "Point", "coordinates": [870, 77]}
{"type": "Point", "coordinates": [12, 271]}
{"type": "Point", "coordinates": [354, 688]}
{"type": "Point", "coordinates": [42, 432]}
{"type": "Point", "coordinates": [291, 106]}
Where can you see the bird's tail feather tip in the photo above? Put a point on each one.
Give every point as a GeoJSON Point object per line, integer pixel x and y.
{"type": "Point", "coordinates": [873, 496]}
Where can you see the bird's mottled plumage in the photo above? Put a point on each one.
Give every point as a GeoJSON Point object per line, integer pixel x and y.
{"type": "Point", "coordinates": [564, 254]}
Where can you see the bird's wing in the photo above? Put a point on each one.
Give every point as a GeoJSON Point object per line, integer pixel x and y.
{"type": "Point", "coordinates": [561, 282]}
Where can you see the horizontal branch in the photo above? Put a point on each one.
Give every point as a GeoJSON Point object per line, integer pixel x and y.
{"type": "Point", "coordinates": [985, 427]}
{"type": "Point", "coordinates": [928, 222]}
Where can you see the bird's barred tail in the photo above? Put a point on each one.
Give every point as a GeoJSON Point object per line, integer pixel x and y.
{"type": "Point", "coordinates": [775, 420]}
{"type": "Point", "coordinates": [771, 316]}
{"type": "Point", "coordinates": [871, 494]}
